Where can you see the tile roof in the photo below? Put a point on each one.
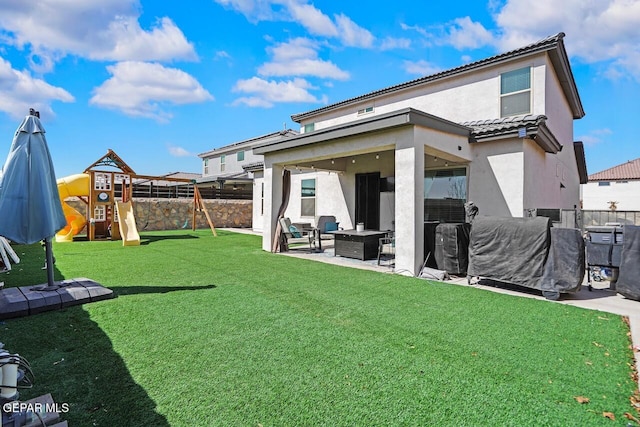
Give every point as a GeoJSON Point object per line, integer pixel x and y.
{"type": "Point", "coordinates": [625, 171]}
{"type": "Point", "coordinates": [527, 126]}
{"type": "Point", "coordinates": [552, 44]}
{"type": "Point", "coordinates": [503, 126]}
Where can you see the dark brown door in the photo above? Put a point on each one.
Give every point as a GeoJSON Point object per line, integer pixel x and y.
{"type": "Point", "coordinates": [368, 200]}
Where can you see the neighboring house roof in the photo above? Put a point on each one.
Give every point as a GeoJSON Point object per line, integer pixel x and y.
{"type": "Point", "coordinates": [553, 45]}
{"type": "Point", "coordinates": [249, 143]}
{"type": "Point", "coordinates": [529, 126]}
{"type": "Point", "coordinates": [623, 172]}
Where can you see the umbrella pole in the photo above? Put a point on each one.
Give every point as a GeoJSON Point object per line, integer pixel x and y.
{"type": "Point", "coordinates": [48, 250]}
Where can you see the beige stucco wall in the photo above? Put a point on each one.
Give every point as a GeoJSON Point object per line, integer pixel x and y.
{"type": "Point", "coordinates": [496, 175]}
{"type": "Point", "coordinates": [466, 97]}
{"type": "Point", "coordinates": [627, 194]}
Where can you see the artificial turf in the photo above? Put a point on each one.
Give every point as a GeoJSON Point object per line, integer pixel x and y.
{"type": "Point", "coordinates": [213, 331]}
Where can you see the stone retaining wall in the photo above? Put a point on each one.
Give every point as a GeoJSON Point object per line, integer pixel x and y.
{"type": "Point", "coordinates": [173, 214]}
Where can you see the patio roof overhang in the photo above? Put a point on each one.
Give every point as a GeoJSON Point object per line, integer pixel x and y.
{"type": "Point", "coordinates": [399, 118]}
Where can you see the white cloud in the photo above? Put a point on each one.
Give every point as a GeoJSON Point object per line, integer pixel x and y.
{"type": "Point", "coordinates": [595, 136]}
{"type": "Point", "coordinates": [264, 93]}
{"type": "Point", "coordinates": [299, 57]}
{"type": "Point", "coordinates": [176, 151]}
{"type": "Point", "coordinates": [422, 67]}
{"type": "Point", "coordinates": [19, 91]}
{"type": "Point", "coordinates": [597, 31]}
{"type": "Point", "coordinates": [422, 31]}
{"type": "Point", "coordinates": [306, 15]}
{"type": "Point", "coordinates": [390, 43]}
{"type": "Point", "coordinates": [253, 10]}
{"type": "Point", "coordinates": [351, 34]}
{"type": "Point", "coordinates": [104, 30]}
{"type": "Point", "coordinates": [221, 54]}
{"type": "Point", "coordinates": [316, 22]}
{"type": "Point", "coordinates": [142, 89]}
{"type": "Point", "coordinates": [466, 34]}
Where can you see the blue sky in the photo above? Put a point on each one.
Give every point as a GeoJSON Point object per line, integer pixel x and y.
{"type": "Point", "coordinates": [160, 81]}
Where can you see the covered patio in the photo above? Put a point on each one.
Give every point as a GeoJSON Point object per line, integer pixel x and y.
{"type": "Point", "coordinates": [396, 148]}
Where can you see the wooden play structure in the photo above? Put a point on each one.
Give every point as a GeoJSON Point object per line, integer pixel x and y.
{"type": "Point", "coordinates": [110, 213]}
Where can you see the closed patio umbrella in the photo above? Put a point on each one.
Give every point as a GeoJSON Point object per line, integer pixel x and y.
{"type": "Point", "coordinates": [30, 208]}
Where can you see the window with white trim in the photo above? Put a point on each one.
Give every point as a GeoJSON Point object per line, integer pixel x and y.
{"type": "Point", "coordinates": [100, 213]}
{"type": "Point", "coordinates": [309, 128]}
{"type": "Point", "coordinates": [515, 92]}
{"type": "Point", "coordinates": [308, 198]}
{"type": "Point", "coordinates": [240, 156]}
{"type": "Point", "coordinates": [102, 181]}
{"type": "Point", "coordinates": [365, 110]}
{"type": "Point", "coordinates": [223, 159]}
{"type": "Point", "coordinates": [206, 166]}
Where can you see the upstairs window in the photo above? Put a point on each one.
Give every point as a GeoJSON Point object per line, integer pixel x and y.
{"type": "Point", "coordinates": [222, 162]}
{"type": "Point", "coordinates": [240, 156]}
{"type": "Point", "coordinates": [206, 166]}
{"type": "Point", "coordinates": [365, 110]}
{"type": "Point", "coordinates": [310, 127]}
{"type": "Point", "coordinates": [515, 92]}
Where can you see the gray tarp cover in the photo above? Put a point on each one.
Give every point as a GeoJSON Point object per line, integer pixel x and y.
{"type": "Point", "coordinates": [520, 251]}
{"type": "Point", "coordinates": [565, 266]}
{"type": "Point", "coordinates": [628, 283]}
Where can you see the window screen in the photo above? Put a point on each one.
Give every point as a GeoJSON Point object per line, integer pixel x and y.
{"type": "Point", "coordinates": [515, 81]}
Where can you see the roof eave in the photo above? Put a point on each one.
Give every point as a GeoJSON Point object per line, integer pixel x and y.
{"type": "Point", "coordinates": [581, 161]}
{"type": "Point", "coordinates": [402, 117]}
{"type": "Point", "coordinates": [538, 132]}
{"type": "Point", "coordinates": [561, 64]}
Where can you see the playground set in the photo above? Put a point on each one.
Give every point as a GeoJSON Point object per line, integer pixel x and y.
{"type": "Point", "coordinates": [107, 194]}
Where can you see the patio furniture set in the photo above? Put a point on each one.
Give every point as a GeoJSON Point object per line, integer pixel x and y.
{"type": "Point", "coordinates": [357, 244]}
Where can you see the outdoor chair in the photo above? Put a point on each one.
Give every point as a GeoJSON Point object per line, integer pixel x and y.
{"type": "Point", "coordinates": [325, 224]}
{"type": "Point", "coordinates": [291, 235]}
{"type": "Point", "coordinates": [387, 248]}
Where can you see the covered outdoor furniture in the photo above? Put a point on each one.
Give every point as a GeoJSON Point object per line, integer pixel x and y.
{"type": "Point", "coordinates": [527, 252]}
{"type": "Point", "coordinates": [628, 283]}
{"type": "Point", "coordinates": [291, 235]}
{"type": "Point", "coordinates": [452, 247]}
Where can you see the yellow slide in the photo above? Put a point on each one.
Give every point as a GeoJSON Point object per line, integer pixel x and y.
{"type": "Point", "coordinates": [70, 186]}
{"type": "Point", "coordinates": [127, 224]}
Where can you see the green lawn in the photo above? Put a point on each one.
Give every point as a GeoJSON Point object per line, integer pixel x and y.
{"type": "Point", "coordinates": [212, 331]}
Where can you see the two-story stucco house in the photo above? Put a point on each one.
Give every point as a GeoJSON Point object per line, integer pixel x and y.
{"type": "Point", "coordinates": [498, 132]}
{"type": "Point", "coordinates": [233, 165]}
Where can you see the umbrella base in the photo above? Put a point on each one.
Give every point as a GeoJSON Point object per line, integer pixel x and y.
{"type": "Point", "coordinates": [27, 300]}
